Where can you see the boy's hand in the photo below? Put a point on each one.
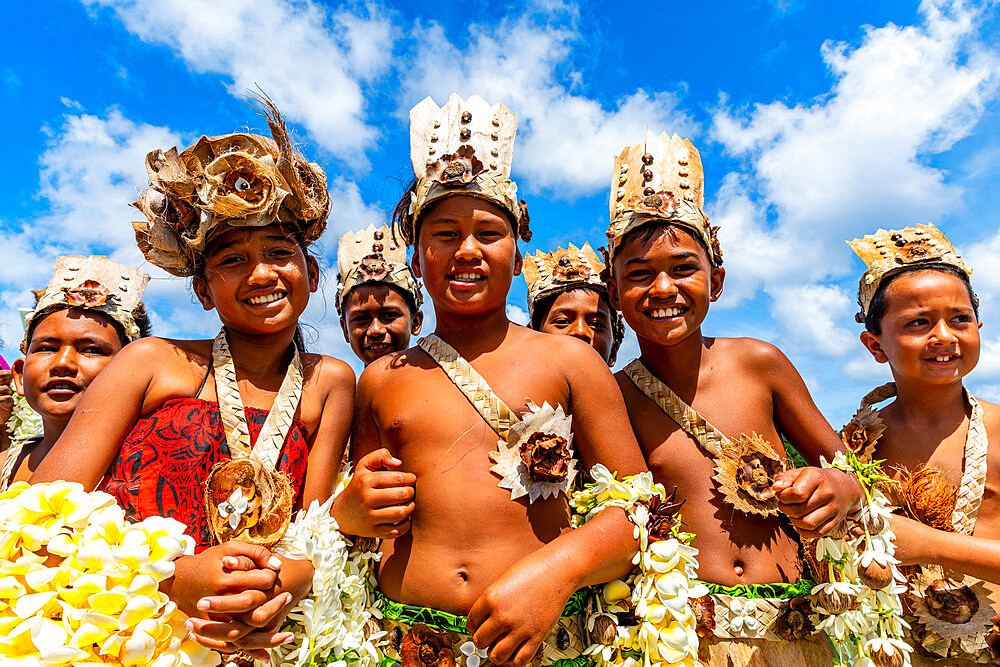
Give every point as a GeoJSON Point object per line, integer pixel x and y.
{"type": "Point", "coordinates": [233, 575]}
{"type": "Point", "coordinates": [817, 499]}
{"type": "Point", "coordinates": [378, 502]}
{"type": "Point", "coordinates": [517, 611]}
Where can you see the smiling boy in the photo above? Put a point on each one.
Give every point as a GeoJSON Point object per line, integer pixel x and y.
{"type": "Point", "coordinates": [692, 398]}
{"type": "Point", "coordinates": [465, 535]}
{"type": "Point", "coordinates": [567, 295]}
{"type": "Point", "coordinates": [377, 296]}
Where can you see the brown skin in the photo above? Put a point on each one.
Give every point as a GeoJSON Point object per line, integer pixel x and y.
{"type": "Point", "coordinates": [664, 287]}
{"type": "Point", "coordinates": [377, 320]}
{"type": "Point", "coordinates": [465, 546]}
{"type": "Point", "coordinates": [6, 407]}
{"type": "Point", "coordinates": [231, 584]}
{"type": "Point", "coordinates": [67, 350]}
{"type": "Point", "coordinates": [583, 314]}
{"type": "Point", "coordinates": [929, 315]}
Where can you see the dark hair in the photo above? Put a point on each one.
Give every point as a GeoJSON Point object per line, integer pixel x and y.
{"type": "Point", "coordinates": [408, 229]}
{"type": "Point", "coordinates": [649, 231]}
{"type": "Point", "coordinates": [139, 315]}
{"type": "Point", "coordinates": [879, 303]}
{"type": "Point", "coordinates": [411, 303]}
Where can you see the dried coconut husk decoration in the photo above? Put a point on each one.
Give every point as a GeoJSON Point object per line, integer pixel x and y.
{"type": "Point", "coordinates": [233, 180]}
{"type": "Point", "coordinates": [929, 497]}
{"type": "Point", "coordinates": [745, 472]}
{"type": "Point", "coordinates": [949, 604]}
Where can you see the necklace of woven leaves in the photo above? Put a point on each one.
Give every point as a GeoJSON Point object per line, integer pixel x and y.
{"type": "Point", "coordinates": [246, 497]}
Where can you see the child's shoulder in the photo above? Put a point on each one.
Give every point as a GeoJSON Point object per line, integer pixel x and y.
{"type": "Point", "coordinates": [326, 371]}
{"type": "Point", "coordinates": [991, 418]}
{"type": "Point", "coordinates": [530, 343]}
{"type": "Point", "coordinates": [748, 350]}
{"type": "Point", "coordinates": [167, 350]}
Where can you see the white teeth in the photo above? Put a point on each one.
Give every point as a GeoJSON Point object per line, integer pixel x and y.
{"type": "Point", "coordinates": [666, 312]}
{"type": "Point", "coordinates": [942, 358]}
{"type": "Point", "coordinates": [467, 276]}
{"type": "Point", "coordinates": [260, 300]}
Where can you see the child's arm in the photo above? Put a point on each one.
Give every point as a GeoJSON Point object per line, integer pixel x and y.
{"type": "Point", "coordinates": [514, 614]}
{"type": "Point", "coordinates": [6, 404]}
{"type": "Point", "coordinates": [814, 499]}
{"type": "Point", "coordinates": [378, 502]}
{"type": "Point", "coordinates": [916, 544]}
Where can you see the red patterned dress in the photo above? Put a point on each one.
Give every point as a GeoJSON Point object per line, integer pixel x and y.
{"type": "Point", "coordinates": [162, 465]}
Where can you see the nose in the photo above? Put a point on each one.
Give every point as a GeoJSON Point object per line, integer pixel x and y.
{"type": "Point", "coordinates": [64, 362]}
{"type": "Point", "coordinates": [262, 274]}
{"type": "Point", "coordinates": [942, 333]}
{"type": "Point", "coordinates": [662, 286]}
{"type": "Point", "coordinates": [376, 329]}
{"type": "Point", "coordinates": [580, 329]}
{"type": "Point", "coordinates": [468, 249]}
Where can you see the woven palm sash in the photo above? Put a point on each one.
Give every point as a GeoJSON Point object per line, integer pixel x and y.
{"type": "Point", "coordinates": [970, 491]}
{"type": "Point", "coordinates": [471, 383]}
{"type": "Point", "coordinates": [234, 421]}
{"type": "Point", "coordinates": [707, 436]}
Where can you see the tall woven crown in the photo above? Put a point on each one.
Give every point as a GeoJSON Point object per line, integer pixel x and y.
{"type": "Point", "coordinates": [372, 255]}
{"type": "Point", "coordinates": [660, 179]}
{"type": "Point", "coordinates": [234, 180]}
{"type": "Point", "coordinates": [889, 251]}
{"type": "Point", "coordinates": [464, 148]}
{"type": "Point", "coordinates": [95, 282]}
{"type": "Point", "coordinates": [560, 270]}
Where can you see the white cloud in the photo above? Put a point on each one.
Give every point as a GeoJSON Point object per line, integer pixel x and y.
{"type": "Point", "coordinates": [566, 141]}
{"type": "Point", "coordinates": [517, 315]}
{"type": "Point", "coordinates": [309, 59]}
{"type": "Point", "coordinates": [809, 313]}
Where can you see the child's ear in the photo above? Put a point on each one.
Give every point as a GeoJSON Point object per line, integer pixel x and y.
{"type": "Point", "coordinates": [312, 266]}
{"type": "Point", "coordinates": [201, 291]}
{"type": "Point", "coordinates": [613, 293]}
{"type": "Point", "coordinates": [415, 264]}
{"type": "Point", "coordinates": [872, 343]}
{"type": "Point", "coordinates": [980, 325]}
{"type": "Point", "coordinates": [718, 277]}
{"type": "Point", "coordinates": [343, 327]}
{"type": "Point", "coordinates": [17, 371]}
{"type": "Point", "coordinates": [416, 323]}
{"type": "Point", "coordinates": [518, 261]}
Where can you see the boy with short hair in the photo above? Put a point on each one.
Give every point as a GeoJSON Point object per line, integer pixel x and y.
{"type": "Point", "coordinates": [567, 295]}
{"type": "Point", "coordinates": [709, 414]}
{"type": "Point", "coordinates": [488, 534]}
{"type": "Point", "coordinates": [378, 299]}
{"type": "Point", "coordinates": [91, 308]}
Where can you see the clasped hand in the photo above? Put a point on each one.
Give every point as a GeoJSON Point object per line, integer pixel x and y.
{"type": "Point", "coordinates": [237, 595]}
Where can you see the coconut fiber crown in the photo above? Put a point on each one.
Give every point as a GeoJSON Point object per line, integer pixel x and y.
{"type": "Point", "coordinates": [464, 148]}
{"type": "Point", "coordinates": [234, 180]}
{"type": "Point", "coordinates": [373, 256]}
{"type": "Point", "coordinates": [660, 179]}
{"type": "Point", "coordinates": [887, 252]}
{"type": "Point", "coordinates": [95, 282]}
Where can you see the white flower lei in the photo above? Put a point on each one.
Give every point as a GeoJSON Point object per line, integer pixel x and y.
{"type": "Point", "coordinates": [100, 603]}
{"type": "Point", "coordinates": [658, 590]}
{"type": "Point", "coordinates": [24, 423]}
{"type": "Point", "coordinates": [329, 623]}
{"type": "Point", "coordinates": [872, 629]}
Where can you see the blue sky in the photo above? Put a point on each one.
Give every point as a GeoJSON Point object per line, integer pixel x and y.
{"type": "Point", "coordinates": [816, 122]}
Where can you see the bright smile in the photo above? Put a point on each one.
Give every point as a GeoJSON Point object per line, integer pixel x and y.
{"type": "Point", "coordinates": [665, 313]}
{"type": "Point", "coordinates": [466, 277]}
{"type": "Point", "coordinates": [942, 359]}
{"type": "Point", "coordinates": [265, 299]}
{"type": "Point", "coordinates": [61, 389]}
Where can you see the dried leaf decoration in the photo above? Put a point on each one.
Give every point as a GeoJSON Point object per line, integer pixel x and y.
{"type": "Point", "coordinates": [262, 507]}
{"type": "Point", "coordinates": [423, 647]}
{"type": "Point", "coordinates": [663, 516]}
{"type": "Point", "coordinates": [88, 294]}
{"type": "Point", "coordinates": [745, 471]}
{"type": "Point", "coordinates": [950, 606]}
{"type": "Point", "coordinates": [862, 433]}
{"type": "Point", "coordinates": [456, 169]}
{"type": "Point", "coordinates": [233, 180]}
{"type": "Point", "coordinates": [793, 622]}
{"type": "Point", "coordinates": [546, 456]}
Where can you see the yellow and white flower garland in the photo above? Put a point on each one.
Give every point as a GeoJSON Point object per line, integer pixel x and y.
{"type": "Point", "coordinates": [657, 592]}
{"type": "Point", "coordinates": [859, 605]}
{"type": "Point", "coordinates": [80, 585]}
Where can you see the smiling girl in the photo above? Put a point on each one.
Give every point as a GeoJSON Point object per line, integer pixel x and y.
{"type": "Point", "coordinates": [230, 435]}
{"type": "Point", "coordinates": [89, 310]}
{"type": "Point", "coordinates": [921, 318]}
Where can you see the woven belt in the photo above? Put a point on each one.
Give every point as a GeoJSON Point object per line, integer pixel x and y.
{"type": "Point", "coordinates": [755, 611]}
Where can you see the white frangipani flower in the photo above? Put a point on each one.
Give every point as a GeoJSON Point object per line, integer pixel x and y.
{"type": "Point", "coordinates": [234, 507]}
